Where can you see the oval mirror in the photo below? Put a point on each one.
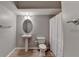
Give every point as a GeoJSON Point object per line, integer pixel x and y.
{"type": "Point", "coordinates": [27, 26]}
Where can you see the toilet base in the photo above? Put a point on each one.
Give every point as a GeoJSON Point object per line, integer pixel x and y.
{"type": "Point", "coordinates": [42, 53]}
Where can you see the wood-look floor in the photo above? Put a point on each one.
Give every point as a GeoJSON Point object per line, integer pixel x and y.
{"type": "Point", "coordinates": [30, 53]}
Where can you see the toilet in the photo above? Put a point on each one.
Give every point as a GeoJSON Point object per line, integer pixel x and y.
{"type": "Point", "coordinates": [41, 45]}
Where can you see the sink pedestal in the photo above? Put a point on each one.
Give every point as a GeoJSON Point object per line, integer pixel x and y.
{"type": "Point", "coordinates": [26, 45]}
{"type": "Point", "coordinates": [26, 38]}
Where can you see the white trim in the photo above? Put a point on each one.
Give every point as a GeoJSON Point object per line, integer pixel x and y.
{"type": "Point", "coordinates": [11, 52]}
{"type": "Point", "coordinates": [20, 47]}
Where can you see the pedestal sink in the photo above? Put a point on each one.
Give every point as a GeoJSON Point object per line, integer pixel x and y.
{"type": "Point", "coordinates": [26, 37]}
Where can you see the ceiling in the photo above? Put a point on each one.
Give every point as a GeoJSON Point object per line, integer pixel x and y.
{"type": "Point", "coordinates": [37, 4]}
{"type": "Point", "coordinates": [38, 7]}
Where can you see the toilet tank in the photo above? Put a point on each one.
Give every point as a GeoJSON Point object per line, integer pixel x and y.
{"type": "Point", "coordinates": [41, 40]}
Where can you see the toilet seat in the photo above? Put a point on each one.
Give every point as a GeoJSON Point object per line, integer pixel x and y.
{"type": "Point", "coordinates": [42, 46]}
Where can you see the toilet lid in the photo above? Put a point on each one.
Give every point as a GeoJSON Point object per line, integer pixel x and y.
{"type": "Point", "coordinates": [42, 46]}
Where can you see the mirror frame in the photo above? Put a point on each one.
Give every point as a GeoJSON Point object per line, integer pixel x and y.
{"type": "Point", "coordinates": [26, 25]}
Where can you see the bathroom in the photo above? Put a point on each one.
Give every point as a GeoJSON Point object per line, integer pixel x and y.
{"type": "Point", "coordinates": [39, 25]}
{"type": "Point", "coordinates": [39, 28]}
{"type": "Point", "coordinates": [26, 28]}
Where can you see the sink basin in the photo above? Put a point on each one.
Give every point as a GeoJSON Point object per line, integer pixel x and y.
{"type": "Point", "coordinates": [27, 36]}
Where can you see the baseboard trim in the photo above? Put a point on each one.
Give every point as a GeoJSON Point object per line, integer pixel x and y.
{"type": "Point", "coordinates": [11, 52]}
{"type": "Point", "coordinates": [28, 48]}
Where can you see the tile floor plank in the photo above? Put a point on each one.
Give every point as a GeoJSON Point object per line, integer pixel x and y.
{"type": "Point", "coordinates": [30, 53]}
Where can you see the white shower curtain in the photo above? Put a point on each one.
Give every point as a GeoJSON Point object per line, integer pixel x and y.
{"type": "Point", "coordinates": [56, 35]}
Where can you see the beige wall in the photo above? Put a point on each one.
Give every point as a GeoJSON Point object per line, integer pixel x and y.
{"type": "Point", "coordinates": [40, 28]}
{"type": "Point", "coordinates": [70, 11]}
{"type": "Point", "coordinates": [7, 35]}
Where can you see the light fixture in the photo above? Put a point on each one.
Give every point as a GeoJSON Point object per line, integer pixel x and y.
{"type": "Point", "coordinates": [27, 16]}
{"type": "Point", "coordinates": [74, 21]}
